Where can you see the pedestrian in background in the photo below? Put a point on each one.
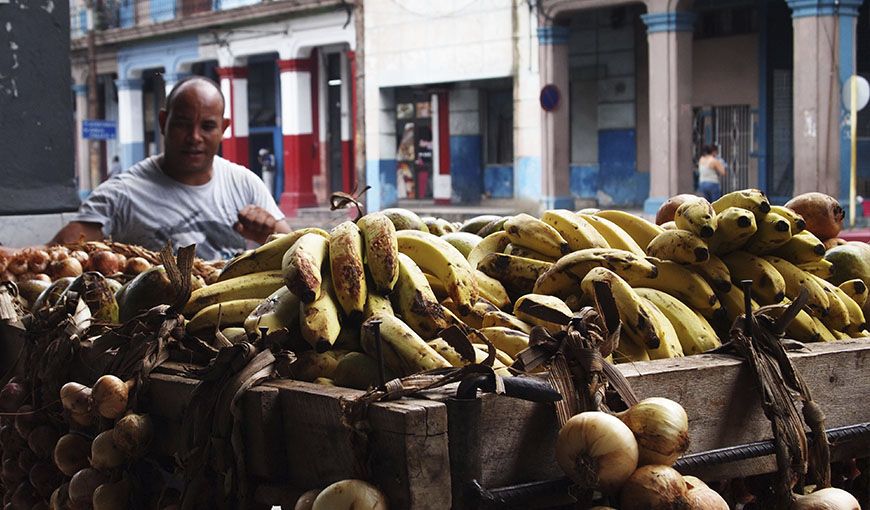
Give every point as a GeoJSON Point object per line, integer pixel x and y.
{"type": "Point", "coordinates": [267, 169]}
{"type": "Point", "coordinates": [710, 169]}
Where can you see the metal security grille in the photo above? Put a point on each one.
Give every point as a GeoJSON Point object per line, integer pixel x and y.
{"type": "Point", "coordinates": [729, 127]}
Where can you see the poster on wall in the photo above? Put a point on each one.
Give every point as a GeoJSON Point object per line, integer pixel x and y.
{"type": "Point", "coordinates": [405, 111]}
{"type": "Point", "coordinates": [405, 187]}
{"type": "Point", "coordinates": [424, 110]}
{"type": "Point", "coordinates": [406, 151]}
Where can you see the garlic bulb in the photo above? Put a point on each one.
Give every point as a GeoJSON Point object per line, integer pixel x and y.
{"type": "Point", "coordinates": [596, 450]}
{"type": "Point", "coordinates": [661, 428]}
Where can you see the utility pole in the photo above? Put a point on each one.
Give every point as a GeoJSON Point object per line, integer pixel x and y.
{"type": "Point", "coordinates": [93, 108]}
{"type": "Point", "coordinates": [359, 136]}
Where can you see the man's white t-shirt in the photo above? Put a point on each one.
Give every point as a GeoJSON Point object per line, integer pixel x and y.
{"type": "Point", "coordinates": [144, 206]}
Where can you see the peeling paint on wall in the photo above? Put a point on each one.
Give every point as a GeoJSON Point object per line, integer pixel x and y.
{"type": "Point", "coordinates": [810, 123]}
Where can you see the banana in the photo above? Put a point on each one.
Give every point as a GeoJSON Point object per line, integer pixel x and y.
{"type": "Point", "coordinates": [773, 232]}
{"type": "Point", "coordinates": [267, 257]}
{"type": "Point", "coordinates": [668, 225]}
{"type": "Point", "coordinates": [855, 289]}
{"type": "Point", "coordinates": [501, 357]}
{"type": "Point", "coordinates": [517, 274]}
{"type": "Point", "coordinates": [359, 371]}
{"type": "Point", "coordinates": [493, 243]}
{"type": "Point", "coordinates": [715, 272]}
{"type": "Point", "coordinates": [228, 313]}
{"type": "Point", "coordinates": [449, 353]}
{"type": "Point", "coordinates": [310, 365]}
{"type": "Point", "coordinates": [694, 332]}
{"type": "Point", "coordinates": [679, 246]}
{"type": "Point", "coordinates": [734, 226]}
{"type": "Point", "coordinates": [377, 304]}
{"type": "Point", "coordinates": [752, 200]}
{"type": "Point", "coordinates": [493, 226]}
{"type": "Point", "coordinates": [437, 286]}
{"type": "Point", "coordinates": [629, 352]}
{"type": "Point", "coordinates": [825, 334]}
{"type": "Point", "coordinates": [821, 268]}
{"type": "Point", "coordinates": [438, 226]}
{"type": "Point", "coordinates": [302, 264]}
{"type": "Point", "coordinates": [474, 317]}
{"type": "Point", "coordinates": [768, 285]}
{"type": "Point", "coordinates": [463, 241]}
{"type": "Point", "coordinates": [802, 248]}
{"type": "Point", "coordinates": [347, 270]}
{"type": "Point", "coordinates": [278, 311]}
{"type": "Point", "coordinates": [680, 282]}
{"type": "Point", "coordinates": [796, 220]}
{"type": "Point", "coordinates": [804, 327]}
{"type": "Point", "coordinates": [854, 314]}
{"type": "Point", "coordinates": [320, 320]}
{"type": "Point", "coordinates": [404, 352]}
{"type": "Point", "coordinates": [480, 351]}
{"type": "Point", "coordinates": [498, 318]}
{"type": "Point", "coordinates": [696, 216]}
{"type": "Point", "coordinates": [234, 334]}
{"type": "Point", "coordinates": [381, 250]}
{"type": "Point", "coordinates": [492, 290]}
{"type": "Point", "coordinates": [250, 286]}
{"type": "Point", "coordinates": [415, 302]}
{"type": "Point", "coordinates": [519, 251]}
{"type": "Point", "coordinates": [732, 302]}
{"type": "Point", "coordinates": [439, 258]}
{"type": "Point", "coordinates": [563, 279]}
{"type": "Point", "coordinates": [575, 230]}
{"type": "Point", "coordinates": [404, 219]}
{"type": "Point", "coordinates": [530, 232]}
{"type": "Point", "coordinates": [613, 234]}
{"type": "Point", "coordinates": [639, 229]}
{"type": "Point", "coordinates": [642, 323]}
{"type": "Point", "coordinates": [476, 223]}
{"type": "Point", "coordinates": [539, 310]}
{"type": "Point", "coordinates": [795, 278]}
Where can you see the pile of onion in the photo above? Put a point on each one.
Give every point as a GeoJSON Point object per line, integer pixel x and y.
{"type": "Point", "coordinates": [110, 396]}
{"type": "Point", "coordinates": [132, 434]}
{"type": "Point", "coordinates": [348, 495]}
{"type": "Point", "coordinates": [105, 454]}
{"type": "Point", "coordinates": [597, 450]}
{"type": "Point", "coordinates": [654, 488]}
{"type": "Point", "coordinates": [71, 453]}
{"type": "Point", "coordinates": [661, 428]}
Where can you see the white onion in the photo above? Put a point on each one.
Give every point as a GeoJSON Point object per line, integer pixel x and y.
{"type": "Point", "coordinates": [702, 497]}
{"type": "Point", "coordinates": [826, 499]}
{"type": "Point", "coordinates": [110, 396]}
{"type": "Point", "coordinates": [132, 434]}
{"type": "Point", "coordinates": [306, 500]}
{"type": "Point", "coordinates": [596, 450]}
{"type": "Point", "coordinates": [654, 488]}
{"type": "Point", "coordinates": [350, 495]}
{"type": "Point", "coordinates": [104, 453]}
{"type": "Point", "coordinates": [661, 428]}
{"type": "Point", "coordinates": [76, 397]}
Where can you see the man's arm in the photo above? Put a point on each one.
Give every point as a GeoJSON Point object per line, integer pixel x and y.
{"type": "Point", "coordinates": [257, 224]}
{"type": "Point", "coordinates": [77, 231]}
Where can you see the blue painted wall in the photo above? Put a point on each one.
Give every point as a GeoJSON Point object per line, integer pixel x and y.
{"type": "Point", "coordinates": [498, 181]}
{"type": "Point", "coordinates": [528, 178]}
{"type": "Point", "coordinates": [584, 181]}
{"type": "Point", "coordinates": [617, 162]}
{"type": "Point", "coordinates": [381, 176]}
{"type": "Point", "coordinates": [465, 168]}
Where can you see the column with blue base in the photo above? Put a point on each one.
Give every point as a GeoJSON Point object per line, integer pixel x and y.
{"type": "Point", "coordinates": [554, 185]}
{"type": "Point", "coordinates": [131, 127]}
{"type": "Point", "coordinates": [670, 103]}
{"type": "Point", "coordinates": [82, 157]}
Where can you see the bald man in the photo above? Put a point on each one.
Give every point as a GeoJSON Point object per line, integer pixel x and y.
{"type": "Point", "coordinates": [186, 195]}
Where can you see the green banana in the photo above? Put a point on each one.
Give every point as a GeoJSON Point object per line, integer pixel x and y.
{"type": "Point", "coordinates": [463, 241]}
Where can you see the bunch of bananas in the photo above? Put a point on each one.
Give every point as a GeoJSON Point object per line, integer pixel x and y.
{"type": "Point", "coordinates": [494, 278]}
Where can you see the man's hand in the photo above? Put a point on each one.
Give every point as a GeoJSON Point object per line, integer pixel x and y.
{"type": "Point", "coordinates": [257, 224]}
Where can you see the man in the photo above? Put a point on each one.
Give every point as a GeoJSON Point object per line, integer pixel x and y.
{"type": "Point", "coordinates": [185, 195]}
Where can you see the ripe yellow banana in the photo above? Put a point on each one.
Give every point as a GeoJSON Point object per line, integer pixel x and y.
{"type": "Point", "coordinates": [278, 311]}
{"type": "Point", "coordinates": [250, 286]}
{"type": "Point", "coordinates": [679, 246]}
{"type": "Point", "coordinates": [696, 216]}
{"type": "Point", "coordinates": [752, 200]}
{"type": "Point", "coordinates": [439, 258]}
{"type": "Point", "coordinates": [563, 278]}
{"type": "Point", "coordinates": [519, 251]}
{"type": "Point", "coordinates": [821, 268]}
{"type": "Point", "coordinates": [575, 230]}
{"type": "Point", "coordinates": [348, 272]}
{"type": "Point", "coordinates": [639, 229]}
{"type": "Point", "coordinates": [310, 365]}
{"type": "Point", "coordinates": [680, 282]}
{"type": "Point", "coordinates": [359, 371]}
{"type": "Point", "coordinates": [415, 302]}
{"type": "Point", "coordinates": [377, 304]}
{"type": "Point", "coordinates": [802, 248]}
{"type": "Point", "coordinates": [474, 317]}
{"type": "Point", "coordinates": [694, 332]}
{"type": "Point", "coordinates": [629, 352]}
{"type": "Point", "coordinates": [404, 352]}
{"type": "Point", "coordinates": [530, 232]}
{"type": "Point", "coordinates": [796, 220]}
{"type": "Point", "coordinates": [449, 353]}
{"type": "Point", "coordinates": [855, 289]}
{"type": "Point", "coordinates": [715, 272]}
{"type": "Point", "coordinates": [804, 327]}
{"type": "Point", "coordinates": [229, 313]}
{"type": "Point", "coordinates": [403, 219]}
{"type": "Point", "coordinates": [642, 323]}
{"type": "Point", "coordinates": [614, 235]}
{"type": "Point", "coordinates": [498, 318]}
{"type": "Point", "coordinates": [773, 232]}
{"type": "Point", "coordinates": [302, 265]}
{"type": "Point", "coordinates": [501, 357]}
{"type": "Point", "coordinates": [267, 257]}
{"type": "Point", "coordinates": [437, 286]}
{"type": "Point", "coordinates": [517, 274]}
{"type": "Point", "coordinates": [768, 285]}
{"type": "Point", "coordinates": [734, 226]}
{"type": "Point", "coordinates": [463, 241]}
{"type": "Point", "coordinates": [732, 302]}
{"type": "Point", "coordinates": [381, 250]}
{"type": "Point", "coordinates": [320, 320]}
{"type": "Point", "coordinates": [492, 290]}
{"type": "Point", "coordinates": [539, 310]}
{"type": "Point", "coordinates": [795, 278]}
{"type": "Point", "coordinates": [854, 314]}
{"type": "Point", "coordinates": [437, 226]}
{"type": "Point", "coordinates": [493, 243]}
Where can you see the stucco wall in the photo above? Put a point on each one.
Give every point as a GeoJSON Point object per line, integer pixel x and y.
{"type": "Point", "coordinates": [725, 71]}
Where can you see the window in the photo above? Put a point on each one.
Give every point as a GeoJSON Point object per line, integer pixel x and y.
{"type": "Point", "coordinates": [499, 127]}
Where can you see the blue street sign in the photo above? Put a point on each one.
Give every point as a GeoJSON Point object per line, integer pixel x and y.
{"type": "Point", "coordinates": [549, 97]}
{"type": "Point", "coordinates": [99, 129]}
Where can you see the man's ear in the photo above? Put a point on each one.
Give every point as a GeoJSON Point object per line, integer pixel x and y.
{"type": "Point", "coordinates": [226, 124]}
{"type": "Point", "coordinates": [161, 119]}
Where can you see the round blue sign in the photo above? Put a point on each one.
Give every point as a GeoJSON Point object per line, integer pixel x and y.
{"type": "Point", "coordinates": [550, 96]}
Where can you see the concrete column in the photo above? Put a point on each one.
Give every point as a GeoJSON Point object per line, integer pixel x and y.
{"type": "Point", "coordinates": [554, 189]}
{"type": "Point", "coordinates": [297, 128]}
{"type": "Point", "coordinates": [526, 181]}
{"type": "Point", "coordinates": [463, 118]}
{"type": "Point", "coordinates": [234, 85]}
{"type": "Point", "coordinates": [131, 126]}
{"type": "Point", "coordinates": [82, 156]}
{"type": "Point", "coordinates": [171, 79]}
{"type": "Point", "coordinates": [670, 105]}
{"type": "Point", "coordinates": [824, 58]}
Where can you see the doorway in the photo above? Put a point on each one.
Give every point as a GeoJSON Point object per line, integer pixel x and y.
{"type": "Point", "coordinates": [334, 120]}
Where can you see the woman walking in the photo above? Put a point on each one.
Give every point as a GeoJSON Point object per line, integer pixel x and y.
{"type": "Point", "coordinates": [710, 167]}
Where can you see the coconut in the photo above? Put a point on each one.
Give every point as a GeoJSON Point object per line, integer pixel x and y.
{"type": "Point", "coordinates": [145, 291]}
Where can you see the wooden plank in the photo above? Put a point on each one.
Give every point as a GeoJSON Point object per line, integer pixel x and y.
{"type": "Point", "coordinates": [264, 450]}
{"type": "Point", "coordinates": [167, 397]}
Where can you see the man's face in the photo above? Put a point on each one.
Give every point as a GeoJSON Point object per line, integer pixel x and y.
{"type": "Point", "coordinates": [192, 128]}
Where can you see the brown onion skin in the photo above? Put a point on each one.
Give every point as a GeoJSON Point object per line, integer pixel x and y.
{"type": "Point", "coordinates": [65, 267]}
{"type": "Point", "coordinates": [105, 262]}
{"type": "Point", "coordinates": [136, 265]}
{"type": "Point", "coordinates": [654, 487]}
{"type": "Point", "coordinates": [42, 441]}
{"type": "Point", "coordinates": [45, 478]}
{"type": "Point", "coordinates": [83, 484]}
{"type": "Point", "coordinates": [71, 453]}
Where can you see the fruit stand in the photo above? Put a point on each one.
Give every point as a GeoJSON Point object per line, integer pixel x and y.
{"type": "Point", "coordinates": [415, 363]}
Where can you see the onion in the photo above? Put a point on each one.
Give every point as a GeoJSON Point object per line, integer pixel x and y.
{"type": "Point", "coordinates": [12, 396]}
{"type": "Point", "coordinates": [136, 265]}
{"type": "Point", "coordinates": [45, 478]}
{"type": "Point", "coordinates": [10, 440]}
{"type": "Point", "coordinates": [350, 494]}
{"type": "Point", "coordinates": [58, 252]}
{"type": "Point", "coordinates": [306, 500]}
{"type": "Point", "coordinates": [105, 262]}
{"type": "Point", "coordinates": [12, 473]}
{"type": "Point", "coordinates": [71, 453]}
{"type": "Point", "coordinates": [27, 459]}
{"type": "Point", "coordinates": [112, 496]}
{"type": "Point", "coordinates": [6, 276]}
{"type": "Point", "coordinates": [24, 496]}
{"type": "Point", "coordinates": [17, 265]}
{"type": "Point", "coordinates": [81, 256]}
{"type": "Point", "coordinates": [42, 441]}
{"type": "Point", "coordinates": [104, 453]}
{"type": "Point", "coordinates": [826, 499]}
{"type": "Point", "coordinates": [3, 262]}
{"type": "Point", "coordinates": [110, 396]}
{"type": "Point", "coordinates": [661, 428]}
{"type": "Point", "coordinates": [132, 434]}
{"type": "Point", "coordinates": [596, 450]}
{"type": "Point", "coordinates": [65, 267]}
{"type": "Point", "coordinates": [37, 260]}
{"type": "Point", "coordinates": [25, 421]}
{"type": "Point", "coordinates": [654, 488]}
{"type": "Point", "coordinates": [42, 277]}
{"type": "Point", "coordinates": [83, 485]}
{"type": "Point", "coordinates": [702, 497]}
{"type": "Point", "coordinates": [59, 498]}
{"type": "Point", "coordinates": [76, 397]}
